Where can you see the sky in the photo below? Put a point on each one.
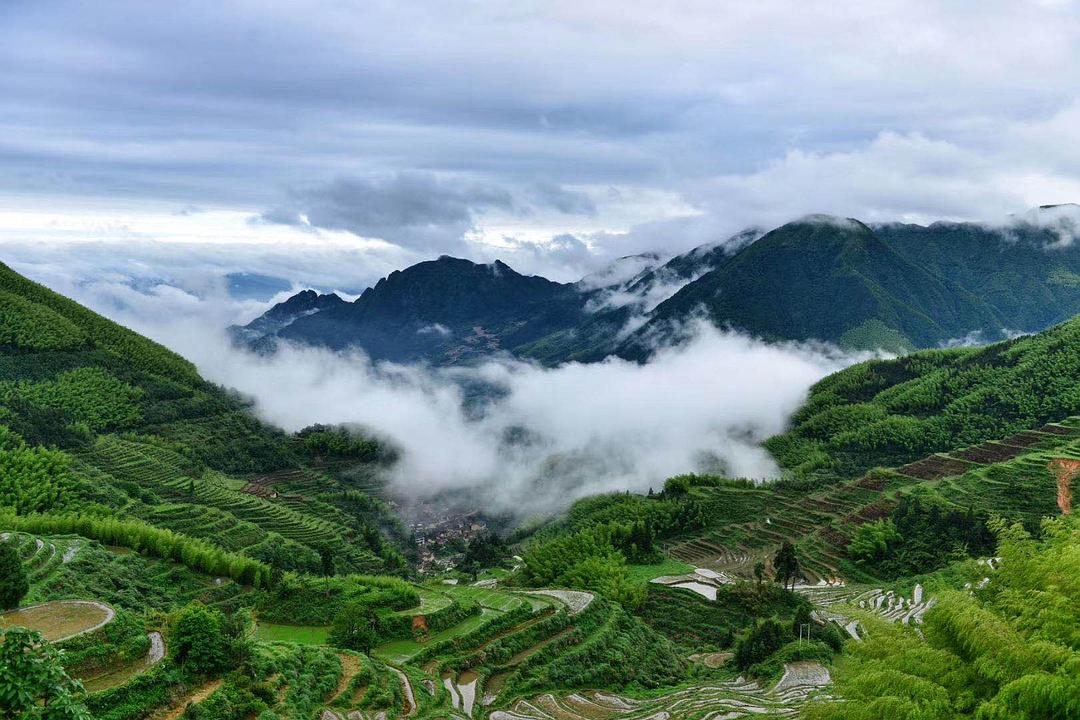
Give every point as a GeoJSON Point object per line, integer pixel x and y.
{"type": "Point", "coordinates": [364, 136]}
{"type": "Point", "coordinates": [149, 149]}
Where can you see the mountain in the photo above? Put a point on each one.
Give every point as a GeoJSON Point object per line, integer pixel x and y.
{"type": "Point", "coordinates": [452, 310]}
{"type": "Point", "coordinates": [896, 287]}
{"type": "Point", "coordinates": [139, 502]}
{"type": "Point", "coordinates": [826, 278]}
{"type": "Point", "coordinates": [616, 308]}
{"type": "Point", "coordinates": [891, 412]}
{"type": "Point", "coordinates": [444, 311]}
{"type": "Point", "coordinates": [261, 330]}
{"type": "Point", "coordinates": [891, 286]}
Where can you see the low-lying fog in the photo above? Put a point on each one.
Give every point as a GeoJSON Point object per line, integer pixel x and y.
{"type": "Point", "coordinates": [549, 434]}
{"type": "Point", "coordinates": [542, 438]}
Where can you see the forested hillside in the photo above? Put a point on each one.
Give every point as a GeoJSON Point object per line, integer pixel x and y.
{"type": "Point", "coordinates": [99, 421]}
{"type": "Point", "coordinates": [889, 412]}
{"type": "Point", "coordinates": [1010, 649]}
{"type": "Point", "coordinates": [193, 562]}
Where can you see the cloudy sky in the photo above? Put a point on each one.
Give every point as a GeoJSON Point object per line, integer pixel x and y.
{"type": "Point", "coordinates": [340, 139]}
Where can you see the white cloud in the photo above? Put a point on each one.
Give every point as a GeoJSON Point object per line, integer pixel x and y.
{"type": "Point", "coordinates": [551, 435]}
{"type": "Point", "coordinates": [607, 119]}
{"type": "Point", "coordinates": [546, 436]}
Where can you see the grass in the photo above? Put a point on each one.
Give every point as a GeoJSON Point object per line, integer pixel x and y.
{"type": "Point", "coordinates": [299, 634]}
{"type": "Point", "coordinates": [670, 566]}
{"type": "Point", "coordinates": [486, 597]}
{"type": "Point", "coordinates": [401, 651]}
{"type": "Point", "coordinates": [430, 601]}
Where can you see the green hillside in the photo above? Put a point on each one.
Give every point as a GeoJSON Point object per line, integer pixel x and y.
{"type": "Point", "coordinates": [831, 279]}
{"type": "Point", "coordinates": [101, 421]}
{"type": "Point", "coordinates": [895, 411]}
{"type": "Point", "coordinates": [193, 562]}
{"type": "Point", "coordinates": [182, 552]}
{"type": "Point", "coordinates": [897, 287]}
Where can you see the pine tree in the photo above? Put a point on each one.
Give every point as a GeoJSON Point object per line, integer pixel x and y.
{"type": "Point", "coordinates": [13, 581]}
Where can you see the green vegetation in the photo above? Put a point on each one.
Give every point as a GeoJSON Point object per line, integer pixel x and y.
{"type": "Point", "coordinates": [917, 538]}
{"type": "Point", "coordinates": [339, 442]}
{"type": "Point", "coordinates": [198, 639]}
{"type": "Point", "coordinates": [127, 480]}
{"type": "Point", "coordinates": [1010, 651]}
{"type": "Point", "coordinates": [890, 412]}
{"type": "Point", "coordinates": [32, 479]}
{"type": "Point", "coordinates": [591, 547]}
{"type": "Point", "coordinates": [33, 682]}
{"type": "Point", "coordinates": [299, 634]}
{"type": "Point", "coordinates": [832, 279]}
{"type": "Point", "coordinates": [13, 581]}
{"type": "Point", "coordinates": [698, 624]}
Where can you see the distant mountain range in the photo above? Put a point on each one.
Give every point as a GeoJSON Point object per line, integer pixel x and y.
{"type": "Point", "coordinates": [895, 287]}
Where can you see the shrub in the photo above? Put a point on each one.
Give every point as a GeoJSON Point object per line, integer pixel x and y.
{"type": "Point", "coordinates": [14, 583]}
{"type": "Point", "coordinates": [33, 683]}
{"type": "Point", "coordinates": [198, 639]}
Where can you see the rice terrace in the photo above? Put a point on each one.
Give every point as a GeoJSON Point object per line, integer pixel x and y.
{"type": "Point", "coordinates": [539, 360]}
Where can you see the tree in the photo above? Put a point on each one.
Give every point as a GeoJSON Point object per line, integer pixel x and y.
{"type": "Point", "coordinates": [759, 572]}
{"type": "Point", "coordinates": [677, 487]}
{"type": "Point", "coordinates": [484, 551]}
{"type": "Point", "coordinates": [326, 557]}
{"type": "Point", "coordinates": [762, 640]}
{"type": "Point", "coordinates": [14, 583]}
{"type": "Point", "coordinates": [786, 564]}
{"type": "Point", "coordinates": [873, 541]}
{"type": "Point", "coordinates": [356, 627]}
{"type": "Point", "coordinates": [33, 683]}
{"type": "Point", "coordinates": [198, 639]}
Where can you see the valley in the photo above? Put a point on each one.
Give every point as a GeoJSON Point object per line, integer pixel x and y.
{"type": "Point", "coordinates": [539, 360]}
{"type": "Point", "coordinates": [193, 561]}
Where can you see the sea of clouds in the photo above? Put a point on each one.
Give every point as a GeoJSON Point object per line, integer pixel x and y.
{"type": "Point", "coordinates": [524, 437]}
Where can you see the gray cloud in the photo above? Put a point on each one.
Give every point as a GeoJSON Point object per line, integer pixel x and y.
{"type": "Point", "coordinates": [752, 113]}
{"type": "Point", "coordinates": [417, 210]}
{"type": "Point", "coordinates": [569, 202]}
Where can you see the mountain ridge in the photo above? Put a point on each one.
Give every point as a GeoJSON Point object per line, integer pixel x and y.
{"type": "Point", "coordinates": [883, 286]}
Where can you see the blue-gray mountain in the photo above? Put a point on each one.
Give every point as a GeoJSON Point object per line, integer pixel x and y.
{"type": "Point", "coordinates": [894, 286]}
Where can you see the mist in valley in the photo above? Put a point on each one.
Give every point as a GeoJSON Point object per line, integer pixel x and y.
{"type": "Point", "coordinates": [528, 439]}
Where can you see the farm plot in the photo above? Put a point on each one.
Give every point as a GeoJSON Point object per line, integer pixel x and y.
{"type": "Point", "coordinates": [487, 597]}
{"type": "Point", "coordinates": [60, 620]}
{"type": "Point", "coordinates": [575, 600]}
{"type": "Point", "coordinates": [120, 675]}
{"type": "Point", "coordinates": [300, 634]}
{"type": "Point", "coordinates": [43, 558]}
{"type": "Point", "coordinates": [401, 651]}
{"type": "Point", "coordinates": [734, 699]}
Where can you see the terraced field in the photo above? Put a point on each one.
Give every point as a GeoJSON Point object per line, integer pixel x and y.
{"type": "Point", "coordinates": [236, 514]}
{"type": "Point", "coordinates": [115, 676]}
{"type": "Point", "coordinates": [1010, 477]}
{"type": "Point", "coordinates": [60, 620]}
{"type": "Point", "coordinates": [706, 701]}
{"type": "Point", "coordinates": [44, 557]}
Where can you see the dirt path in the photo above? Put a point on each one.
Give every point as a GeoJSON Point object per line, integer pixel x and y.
{"type": "Point", "coordinates": [195, 696]}
{"type": "Point", "coordinates": [350, 665]}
